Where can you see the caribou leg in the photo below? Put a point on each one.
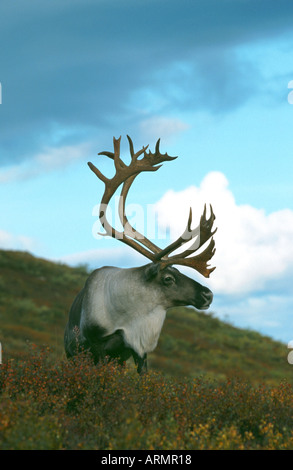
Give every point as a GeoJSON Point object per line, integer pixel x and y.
{"type": "Point", "coordinates": [140, 362]}
{"type": "Point", "coordinates": [114, 347]}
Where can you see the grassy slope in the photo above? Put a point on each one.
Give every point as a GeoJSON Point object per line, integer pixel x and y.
{"type": "Point", "coordinates": [35, 296]}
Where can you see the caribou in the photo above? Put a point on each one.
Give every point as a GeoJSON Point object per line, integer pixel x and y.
{"type": "Point", "coordinates": [119, 313]}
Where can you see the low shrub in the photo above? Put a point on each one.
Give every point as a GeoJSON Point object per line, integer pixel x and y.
{"type": "Point", "coordinates": [76, 405]}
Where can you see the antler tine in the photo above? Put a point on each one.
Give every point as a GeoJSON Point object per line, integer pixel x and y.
{"type": "Point", "coordinates": [115, 155]}
{"type": "Point", "coordinates": [206, 225]}
{"type": "Point", "coordinates": [204, 233]}
{"type": "Point", "coordinates": [111, 154]}
{"type": "Point", "coordinates": [157, 157]}
{"type": "Point", "coordinates": [186, 236]}
{"type": "Point", "coordinates": [134, 156]}
{"type": "Point", "coordinates": [98, 173]}
{"type": "Point", "coordinates": [198, 262]}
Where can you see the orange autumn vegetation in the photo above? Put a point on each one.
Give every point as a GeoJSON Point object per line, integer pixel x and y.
{"type": "Point", "coordinates": [46, 404]}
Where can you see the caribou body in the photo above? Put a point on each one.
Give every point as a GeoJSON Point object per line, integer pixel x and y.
{"type": "Point", "coordinates": [119, 313]}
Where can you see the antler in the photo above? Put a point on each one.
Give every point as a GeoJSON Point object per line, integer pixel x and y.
{"type": "Point", "coordinates": [126, 174]}
{"type": "Point", "coordinates": [203, 233]}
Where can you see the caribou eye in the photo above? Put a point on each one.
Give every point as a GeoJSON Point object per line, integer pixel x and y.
{"type": "Point", "coordinates": [168, 280]}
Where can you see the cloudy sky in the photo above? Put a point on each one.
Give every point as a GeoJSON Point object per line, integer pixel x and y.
{"type": "Point", "coordinates": [211, 78]}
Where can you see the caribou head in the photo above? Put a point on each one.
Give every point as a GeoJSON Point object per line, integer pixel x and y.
{"type": "Point", "coordinates": [120, 312]}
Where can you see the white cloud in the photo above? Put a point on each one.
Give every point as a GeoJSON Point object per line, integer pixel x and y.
{"type": "Point", "coordinates": [165, 127]}
{"type": "Point", "coordinates": [9, 241]}
{"type": "Point", "coordinates": [123, 257]}
{"type": "Point", "coordinates": [270, 313]}
{"type": "Point", "coordinates": [252, 248]}
{"type": "Point", "coordinates": [52, 158]}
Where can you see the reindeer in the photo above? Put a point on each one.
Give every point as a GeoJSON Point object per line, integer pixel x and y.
{"type": "Point", "coordinates": [119, 313]}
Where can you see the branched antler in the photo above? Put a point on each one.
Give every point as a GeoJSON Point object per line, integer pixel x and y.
{"type": "Point", "coordinates": [203, 233]}
{"type": "Point", "coordinates": [125, 174]}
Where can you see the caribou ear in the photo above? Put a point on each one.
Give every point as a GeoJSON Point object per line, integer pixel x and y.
{"type": "Point", "coordinates": [151, 271]}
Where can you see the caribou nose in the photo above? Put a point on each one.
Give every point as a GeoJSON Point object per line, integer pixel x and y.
{"type": "Point", "coordinates": [207, 297]}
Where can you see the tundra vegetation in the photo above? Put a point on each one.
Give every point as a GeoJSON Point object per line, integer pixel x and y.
{"type": "Point", "coordinates": [211, 385]}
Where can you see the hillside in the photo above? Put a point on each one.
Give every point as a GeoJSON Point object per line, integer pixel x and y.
{"type": "Point", "coordinates": [35, 296]}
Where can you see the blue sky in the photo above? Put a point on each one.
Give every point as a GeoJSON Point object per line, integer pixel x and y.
{"type": "Point", "coordinates": [210, 78]}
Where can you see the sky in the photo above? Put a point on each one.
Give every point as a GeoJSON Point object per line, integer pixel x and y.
{"type": "Point", "coordinates": [213, 79]}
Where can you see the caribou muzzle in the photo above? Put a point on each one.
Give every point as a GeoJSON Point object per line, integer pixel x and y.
{"type": "Point", "coordinates": [206, 298]}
